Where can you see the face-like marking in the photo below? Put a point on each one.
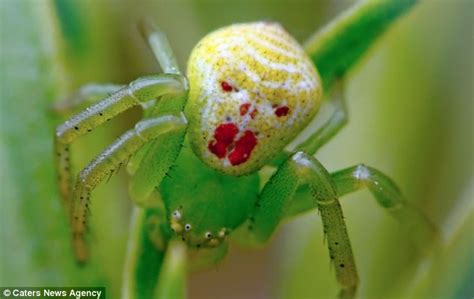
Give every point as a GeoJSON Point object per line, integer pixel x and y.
{"type": "Point", "coordinates": [226, 144]}
{"type": "Point", "coordinates": [243, 148]}
{"type": "Point", "coordinates": [252, 89]}
{"type": "Point", "coordinates": [224, 137]}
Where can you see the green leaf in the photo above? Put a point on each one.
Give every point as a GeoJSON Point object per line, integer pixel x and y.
{"type": "Point", "coordinates": [34, 232]}
{"type": "Point", "coordinates": [337, 47]}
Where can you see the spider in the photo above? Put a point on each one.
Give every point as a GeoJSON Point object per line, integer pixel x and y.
{"type": "Point", "coordinates": [195, 157]}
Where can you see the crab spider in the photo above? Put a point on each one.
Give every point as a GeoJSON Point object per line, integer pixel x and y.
{"type": "Point", "coordinates": [252, 89]}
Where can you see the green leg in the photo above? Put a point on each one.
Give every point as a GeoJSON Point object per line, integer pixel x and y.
{"type": "Point", "coordinates": [153, 269]}
{"type": "Point", "coordinates": [416, 225]}
{"type": "Point", "coordinates": [145, 253]}
{"type": "Point", "coordinates": [156, 159]}
{"type": "Point", "coordinates": [276, 197]}
{"type": "Point", "coordinates": [149, 272]}
{"type": "Point", "coordinates": [155, 165]}
{"type": "Point", "coordinates": [86, 95]}
{"type": "Point", "coordinates": [172, 281]}
{"type": "Point", "coordinates": [105, 164]}
{"type": "Point", "coordinates": [419, 229]}
{"type": "Point", "coordinates": [139, 91]}
{"type": "Point", "coordinates": [160, 46]}
{"type": "Point", "coordinates": [163, 53]}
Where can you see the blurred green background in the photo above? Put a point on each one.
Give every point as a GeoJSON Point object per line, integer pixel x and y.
{"type": "Point", "coordinates": [411, 116]}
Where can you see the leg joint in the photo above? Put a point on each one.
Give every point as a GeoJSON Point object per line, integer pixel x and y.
{"type": "Point", "coordinates": [147, 88]}
{"type": "Point", "coordinates": [362, 173]}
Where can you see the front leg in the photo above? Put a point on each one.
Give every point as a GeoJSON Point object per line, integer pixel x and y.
{"type": "Point", "coordinates": [154, 160]}
{"type": "Point", "coordinates": [172, 281]}
{"type": "Point", "coordinates": [139, 91]}
{"type": "Point", "coordinates": [277, 196]}
{"type": "Point", "coordinates": [105, 164]}
{"type": "Point", "coordinates": [153, 268]}
{"type": "Point", "coordinates": [85, 96]}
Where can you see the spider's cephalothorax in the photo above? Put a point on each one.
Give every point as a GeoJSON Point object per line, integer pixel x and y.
{"type": "Point", "coordinates": [252, 88]}
{"type": "Point", "coordinates": [203, 205]}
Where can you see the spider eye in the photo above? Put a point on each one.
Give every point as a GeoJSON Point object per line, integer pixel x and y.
{"type": "Point", "coordinates": [187, 227]}
{"type": "Point", "coordinates": [176, 215]}
{"type": "Point", "coordinates": [208, 235]}
{"type": "Point", "coordinates": [222, 233]}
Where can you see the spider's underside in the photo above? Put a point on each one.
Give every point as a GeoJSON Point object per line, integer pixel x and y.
{"type": "Point", "coordinates": [251, 90]}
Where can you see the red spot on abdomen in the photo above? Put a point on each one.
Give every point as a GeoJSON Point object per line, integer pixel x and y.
{"type": "Point", "coordinates": [243, 148]}
{"type": "Point", "coordinates": [244, 108]}
{"type": "Point", "coordinates": [226, 86]}
{"type": "Point", "coordinates": [226, 132]}
{"type": "Point", "coordinates": [254, 113]}
{"type": "Point", "coordinates": [224, 144]}
{"type": "Point", "coordinates": [224, 136]}
{"type": "Point", "coordinates": [282, 111]}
